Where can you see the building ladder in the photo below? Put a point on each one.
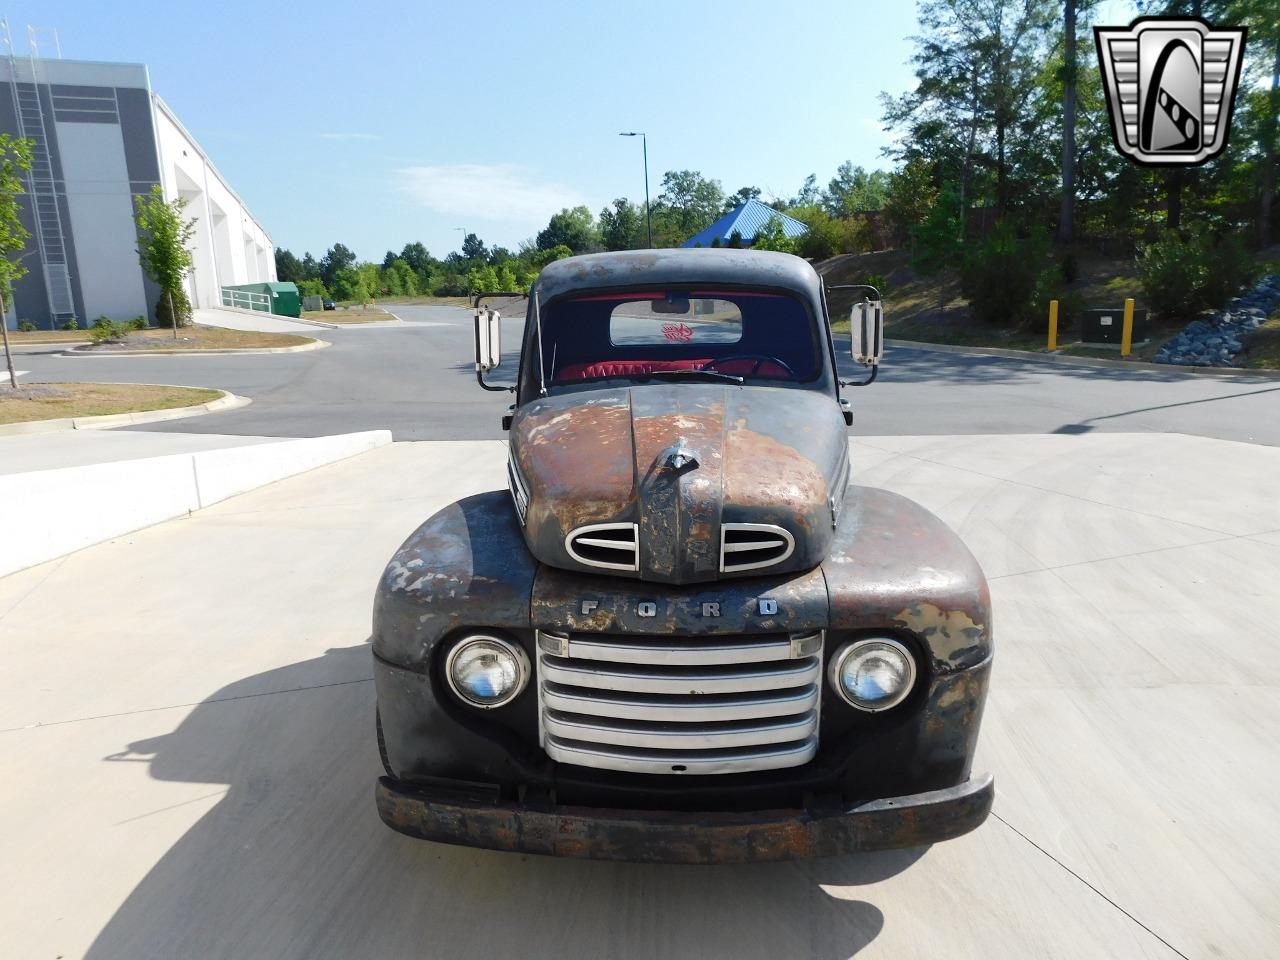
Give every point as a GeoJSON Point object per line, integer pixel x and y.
{"type": "Point", "coordinates": [50, 238]}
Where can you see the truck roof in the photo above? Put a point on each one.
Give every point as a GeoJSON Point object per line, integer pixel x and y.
{"type": "Point", "coordinates": [648, 268]}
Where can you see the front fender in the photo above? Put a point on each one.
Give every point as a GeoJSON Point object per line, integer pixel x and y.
{"type": "Point", "coordinates": [466, 566]}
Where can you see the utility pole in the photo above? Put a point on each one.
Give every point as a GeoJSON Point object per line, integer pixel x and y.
{"type": "Point", "coordinates": [648, 214]}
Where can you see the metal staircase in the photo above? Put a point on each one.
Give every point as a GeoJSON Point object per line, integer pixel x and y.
{"type": "Point", "coordinates": [51, 244]}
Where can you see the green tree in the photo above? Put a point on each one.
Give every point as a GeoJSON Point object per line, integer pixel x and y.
{"type": "Point", "coordinates": [910, 196]}
{"type": "Point", "coordinates": [417, 257]}
{"type": "Point", "coordinates": [854, 190]}
{"type": "Point", "coordinates": [979, 64]}
{"type": "Point", "coordinates": [772, 236]}
{"type": "Point", "coordinates": [574, 229]}
{"type": "Point", "coordinates": [400, 279]}
{"type": "Point", "coordinates": [163, 253]}
{"type": "Point", "coordinates": [310, 268]}
{"type": "Point", "coordinates": [15, 160]}
{"type": "Point", "coordinates": [473, 248]}
{"type": "Point", "coordinates": [688, 203]}
{"type": "Point", "coordinates": [349, 285]}
{"type": "Point", "coordinates": [809, 194]}
{"type": "Point", "coordinates": [288, 267]}
{"type": "Point", "coordinates": [337, 258]}
{"type": "Point", "coordinates": [742, 195]}
{"type": "Point", "coordinates": [622, 226]}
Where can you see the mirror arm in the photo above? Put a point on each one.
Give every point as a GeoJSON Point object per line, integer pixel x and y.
{"type": "Point", "coordinates": [875, 369]}
{"type": "Point", "coordinates": [489, 386]}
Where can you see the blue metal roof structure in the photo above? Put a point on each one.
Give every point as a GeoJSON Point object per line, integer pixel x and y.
{"type": "Point", "coordinates": [746, 218]}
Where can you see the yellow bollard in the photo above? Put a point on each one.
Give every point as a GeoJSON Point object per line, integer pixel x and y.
{"type": "Point", "coordinates": [1053, 325]}
{"type": "Point", "coordinates": [1126, 334]}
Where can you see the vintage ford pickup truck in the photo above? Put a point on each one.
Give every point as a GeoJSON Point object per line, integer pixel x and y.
{"type": "Point", "coordinates": [681, 634]}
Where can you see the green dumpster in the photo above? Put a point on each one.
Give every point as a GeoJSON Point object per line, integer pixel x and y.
{"type": "Point", "coordinates": [278, 298]}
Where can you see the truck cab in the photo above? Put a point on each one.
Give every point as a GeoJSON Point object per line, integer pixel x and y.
{"type": "Point", "coordinates": [682, 633]}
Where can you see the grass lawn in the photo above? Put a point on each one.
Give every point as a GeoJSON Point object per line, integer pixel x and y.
{"type": "Point", "coordinates": [17, 337]}
{"type": "Point", "coordinates": [1262, 349]}
{"type": "Point", "coordinates": [54, 401]}
{"type": "Point", "coordinates": [348, 315]}
{"type": "Point", "coordinates": [201, 338]}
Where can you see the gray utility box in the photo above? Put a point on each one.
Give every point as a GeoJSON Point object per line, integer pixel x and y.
{"type": "Point", "coordinates": [1107, 326]}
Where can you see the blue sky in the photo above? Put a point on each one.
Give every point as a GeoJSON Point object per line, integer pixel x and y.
{"type": "Point", "coordinates": [386, 123]}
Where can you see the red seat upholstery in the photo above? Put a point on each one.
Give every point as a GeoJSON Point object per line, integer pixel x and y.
{"type": "Point", "coordinates": [623, 368]}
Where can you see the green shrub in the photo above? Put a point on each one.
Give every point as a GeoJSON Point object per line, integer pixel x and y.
{"type": "Point", "coordinates": [138, 323]}
{"type": "Point", "coordinates": [105, 329]}
{"type": "Point", "coordinates": [181, 306]}
{"type": "Point", "coordinates": [877, 280]}
{"type": "Point", "coordinates": [828, 235]}
{"type": "Point", "coordinates": [1184, 274]}
{"type": "Point", "coordinates": [26, 326]}
{"type": "Point", "coordinates": [1229, 267]}
{"type": "Point", "coordinates": [72, 324]}
{"type": "Point", "coordinates": [1004, 276]}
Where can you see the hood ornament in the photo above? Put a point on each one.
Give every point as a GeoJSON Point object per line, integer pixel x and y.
{"type": "Point", "coordinates": [679, 458]}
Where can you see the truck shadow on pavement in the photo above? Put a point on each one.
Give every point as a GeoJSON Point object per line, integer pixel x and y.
{"type": "Point", "coordinates": [294, 862]}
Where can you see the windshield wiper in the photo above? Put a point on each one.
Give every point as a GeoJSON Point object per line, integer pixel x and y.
{"type": "Point", "coordinates": [712, 374]}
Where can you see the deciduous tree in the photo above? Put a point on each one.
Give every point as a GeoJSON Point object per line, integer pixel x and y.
{"type": "Point", "coordinates": [573, 228]}
{"type": "Point", "coordinates": [622, 226]}
{"type": "Point", "coordinates": [163, 252]}
{"type": "Point", "coordinates": [15, 160]}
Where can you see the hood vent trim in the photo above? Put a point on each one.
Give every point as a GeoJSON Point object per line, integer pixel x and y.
{"type": "Point", "coordinates": [608, 546]}
{"type": "Point", "coordinates": [753, 546]}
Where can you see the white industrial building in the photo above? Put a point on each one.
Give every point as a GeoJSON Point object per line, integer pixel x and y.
{"type": "Point", "coordinates": [101, 138]}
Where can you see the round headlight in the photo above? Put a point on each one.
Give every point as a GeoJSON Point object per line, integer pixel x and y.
{"type": "Point", "coordinates": [486, 672]}
{"type": "Point", "coordinates": [872, 675]}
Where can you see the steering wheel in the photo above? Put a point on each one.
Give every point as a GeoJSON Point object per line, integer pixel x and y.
{"type": "Point", "coordinates": [759, 359]}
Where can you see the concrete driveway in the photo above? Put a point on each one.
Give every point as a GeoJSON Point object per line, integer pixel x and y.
{"type": "Point", "coordinates": [417, 380]}
{"type": "Point", "coordinates": [189, 755]}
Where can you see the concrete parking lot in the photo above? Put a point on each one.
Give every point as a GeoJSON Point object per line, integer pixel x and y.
{"type": "Point", "coordinates": [189, 762]}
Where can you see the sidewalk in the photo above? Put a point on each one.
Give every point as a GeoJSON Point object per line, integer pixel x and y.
{"type": "Point", "coordinates": [260, 322]}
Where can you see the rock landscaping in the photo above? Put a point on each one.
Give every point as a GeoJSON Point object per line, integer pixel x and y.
{"type": "Point", "coordinates": [1215, 339]}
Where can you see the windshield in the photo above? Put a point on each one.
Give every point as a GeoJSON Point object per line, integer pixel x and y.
{"type": "Point", "coordinates": [694, 334]}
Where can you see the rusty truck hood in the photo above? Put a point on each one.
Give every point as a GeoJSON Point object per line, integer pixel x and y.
{"type": "Point", "coordinates": [681, 461]}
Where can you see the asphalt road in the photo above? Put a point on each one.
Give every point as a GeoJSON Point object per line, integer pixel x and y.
{"type": "Point", "coordinates": [416, 379]}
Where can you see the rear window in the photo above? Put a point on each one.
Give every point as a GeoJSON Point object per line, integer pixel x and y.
{"type": "Point", "coordinates": [675, 320]}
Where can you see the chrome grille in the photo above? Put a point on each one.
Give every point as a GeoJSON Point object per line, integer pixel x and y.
{"type": "Point", "coordinates": [683, 705]}
{"type": "Point", "coordinates": [611, 546]}
{"type": "Point", "coordinates": [751, 546]}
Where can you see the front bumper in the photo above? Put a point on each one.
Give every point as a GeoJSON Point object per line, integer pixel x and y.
{"type": "Point", "coordinates": [449, 815]}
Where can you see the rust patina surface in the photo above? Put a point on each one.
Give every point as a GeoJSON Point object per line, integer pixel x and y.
{"type": "Point", "coordinates": [763, 455]}
{"type": "Point", "coordinates": [665, 837]}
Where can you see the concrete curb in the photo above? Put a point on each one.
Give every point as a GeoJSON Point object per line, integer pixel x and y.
{"type": "Point", "coordinates": [1085, 361]}
{"type": "Point", "coordinates": [300, 348]}
{"type": "Point", "coordinates": [45, 514]}
{"type": "Point", "coordinates": [228, 401]}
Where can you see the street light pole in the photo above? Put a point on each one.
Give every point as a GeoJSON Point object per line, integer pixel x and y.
{"type": "Point", "coordinates": [648, 213]}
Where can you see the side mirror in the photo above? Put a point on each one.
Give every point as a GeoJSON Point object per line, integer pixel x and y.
{"type": "Point", "coordinates": [866, 324]}
{"type": "Point", "coordinates": [488, 339]}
